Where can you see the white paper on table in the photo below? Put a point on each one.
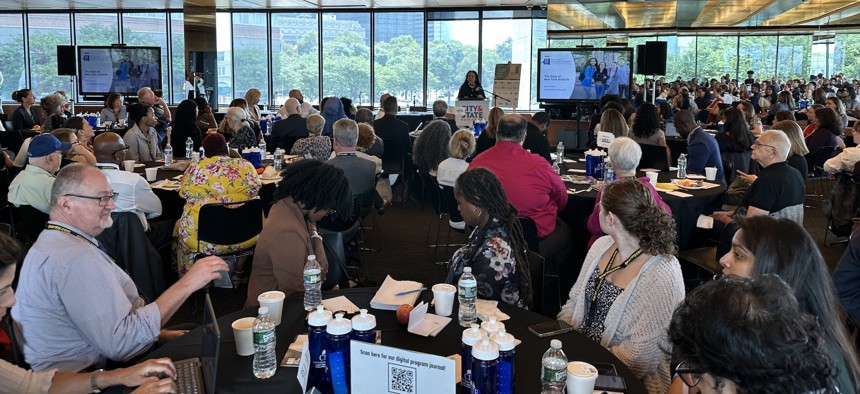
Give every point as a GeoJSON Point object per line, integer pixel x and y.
{"type": "Point", "coordinates": [487, 308]}
{"type": "Point", "coordinates": [706, 222]}
{"type": "Point", "coordinates": [426, 373]}
{"type": "Point", "coordinates": [677, 193]}
{"type": "Point", "coordinates": [138, 165]}
{"type": "Point", "coordinates": [576, 170]}
{"type": "Point", "coordinates": [269, 181]}
{"type": "Point", "coordinates": [304, 368]}
{"type": "Point", "coordinates": [165, 185]}
{"type": "Point", "coordinates": [386, 299]}
{"type": "Point", "coordinates": [604, 138]}
{"type": "Point", "coordinates": [649, 170]}
{"type": "Point", "coordinates": [178, 177]}
{"type": "Point", "coordinates": [569, 161]}
{"type": "Point", "coordinates": [293, 357]}
{"type": "Point", "coordinates": [340, 304]}
{"type": "Point", "coordinates": [426, 324]}
{"type": "Point", "coordinates": [709, 185]}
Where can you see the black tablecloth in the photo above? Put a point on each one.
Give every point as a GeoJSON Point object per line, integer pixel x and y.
{"type": "Point", "coordinates": [235, 372]}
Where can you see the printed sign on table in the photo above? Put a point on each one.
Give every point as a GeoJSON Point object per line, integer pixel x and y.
{"type": "Point", "coordinates": [399, 371]}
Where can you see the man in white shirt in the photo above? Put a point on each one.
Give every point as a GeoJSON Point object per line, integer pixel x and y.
{"type": "Point", "coordinates": [305, 108]}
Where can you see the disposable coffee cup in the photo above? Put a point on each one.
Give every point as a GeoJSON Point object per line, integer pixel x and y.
{"type": "Point", "coordinates": [580, 377]}
{"type": "Point", "coordinates": [710, 173]}
{"type": "Point", "coordinates": [652, 177]}
{"type": "Point", "coordinates": [244, 336]}
{"type": "Point", "coordinates": [128, 165]}
{"type": "Point", "coordinates": [274, 300]}
{"type": "Point", "coordinates": [444, 295]}
{"type": "Point", "coordinates": [195, 156]}
{"type": "Point", "coordinates": [151, 173]}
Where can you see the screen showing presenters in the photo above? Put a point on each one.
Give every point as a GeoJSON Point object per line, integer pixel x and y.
{"type": "Point", "coordinates": [583, 74]}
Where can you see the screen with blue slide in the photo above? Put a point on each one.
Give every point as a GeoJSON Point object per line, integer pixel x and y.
{"type": "Point", "coordinates": [118, 69]}
{"type": "Point", "coordinates": [583, 74]}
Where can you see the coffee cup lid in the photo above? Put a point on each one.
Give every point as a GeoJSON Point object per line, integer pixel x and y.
{"type": "Point", "coordinates": [581, 369]}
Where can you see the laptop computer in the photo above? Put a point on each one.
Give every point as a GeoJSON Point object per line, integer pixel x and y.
{"type": "Point", "coordinates": [197, 375]}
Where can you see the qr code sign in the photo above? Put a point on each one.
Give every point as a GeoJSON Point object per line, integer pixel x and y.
{"type": "Point", "coordinates": [401, 380]}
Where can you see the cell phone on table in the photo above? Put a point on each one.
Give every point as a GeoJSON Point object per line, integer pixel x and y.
{"type": "Point", "coordinates": [608, 380]}
{"type": "Point", "coordinates": [550, 328]}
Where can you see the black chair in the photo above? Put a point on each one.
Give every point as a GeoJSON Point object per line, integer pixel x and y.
{"type": "Point", "coordinates": [335, 253]}
{"type": "Point", "coordinates": [127, 243]}
{"type": "Point", "coordinates": [12, 140]}
{"type": "Point", "coordinates": [699, 265]}
{"type": "Point", "coordinates": [8, 125]}
{"type": "Point", "coordinates": [441, 209]}
{"type": "Point", "coordinates": [530, 233]}
{"type": "Point", "coordinates": [453, 213]}
{"type": "Point", "coordinates": [729, 171]}
{"type": "Point", "coordinates": [818, 178]}
{"type": "Point", "coordinates": [394, 161]}
{"type": "Point", "coordinates": [288, 143]}
{"type": "Point", "coordinates": [5, 178]}
{"type": "Point", "coordinates": [654, 156]}
{"type": "Point", "coordinates": [230, 224]}
{"type": "Point", "coordinates": [32, 223]}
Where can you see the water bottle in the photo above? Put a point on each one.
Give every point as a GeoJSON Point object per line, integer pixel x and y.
{"type": "Point", "coordinates": [485, 367]}
{"type": "Point", "coordinates": [470, 337]}
{"type": "Point", "coordinates": [559, 152]}
{"type": "Point", "coordinates": [189, 147]}
{"type": "Point", "coordinates": [467, 292]}
{"type": "Point", "coordinates": [506, 343]}
{"type": "Point", "coordinates": [317, 343]}
{"type": "Point", "coordinates": [279, 159]}
{"type": "Point", "coordinates": [608, 172]}
{"type": "Point", "coordinates": [312, 277]}
{"type": "Point", "coordinates": [682, 166]}
{"type": "Point", "coordinates": [262, 146]}
{"type": "Point", "coordinates": [168, 155]}
{"type": "Point", "coordinates": [337, 353]}
{"type": "Point", "coordinates": [553, 374]}
{"type": "Point", "coordinates": [556, 167]}
{"type": "Point", "coordinates": [265, 361]}
{"type": "Point", "coordinates": [364, 327]}
{"type": "Point", "coordinates": [202, 153]}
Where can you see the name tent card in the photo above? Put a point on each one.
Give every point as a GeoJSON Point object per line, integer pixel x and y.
{"type": "Point", "coordinates": [385, 369]}
{"type": "Point", "coordinates": [604, 139]}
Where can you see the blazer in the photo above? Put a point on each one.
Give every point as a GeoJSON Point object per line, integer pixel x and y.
{"type": "Point", "coordinates": [293, 127]}
{"type": "Point", "coordinates": [703, 151]}
{"type": "Point", "coordinates": [21, 120]}
{"type": "Point", "coordinates": [391, 128]}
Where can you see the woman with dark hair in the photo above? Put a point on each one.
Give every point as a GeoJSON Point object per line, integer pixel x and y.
{"type": "Point", "coordinates": [310, 191]}
{"type": "Point", "coordinates": [837, 106]}
{"type": "Point", "coordinates": [753, 120]}
{"type": "Point", "coordinates": [348, 108]}
{"type": "Point", "coordinates": [736, 141]}
{"type": "Point", "coordinates": [487, 138]}
{"type": "Point", "coordinates": [53, 105]}
{"type": "Point", "coordinates": [828, 131]}
{"type": "Point", "coordinates": [217, 178]}
{"type": "Point", "coordinates": [431, 146]}
{"type": "Point", "coordinates": [332, 111]}
{"type": "Point", "coordinates": [819, 96]}
{"type": "Point", "coordinates": [784, 102]}
{"type": "Point", "coordinates": [471, 88]}
{"type": "Point", "coordinates": [600, 77]}
{"type": "Point", "coordinates": [664, 109]}
{"type": "Point", "coordinates": [25, 116]}
{"type": "Point", "coordinates": [141, 138]}
{"type": "Point", "coordinates": [114, 109]}
{"type": "Point", "coordinates": [83, 131]}
{"type": "Point", "coordinates": [646, 127]}
{"type": "Point", "coordinates": [630, 282]}
{"type": "Point", "coordinates": [184, 127]}
{"type": "Point", "coordinates": [496, 248]}
{"type": "Point", "coordinates": [810, 117]}
{"type": "Point", "coordinates": [205, 117]}
{"type": "Point", "coordinates": [77, 153]}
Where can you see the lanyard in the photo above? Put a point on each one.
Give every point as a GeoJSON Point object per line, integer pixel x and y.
{"type": "Point", "coordinates": [610, 269]}
{"type": "Point", "coordinates": [51, 226]}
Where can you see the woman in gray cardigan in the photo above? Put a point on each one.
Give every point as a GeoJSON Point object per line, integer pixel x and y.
{"type": "Point", "coordinates": [630, 283]}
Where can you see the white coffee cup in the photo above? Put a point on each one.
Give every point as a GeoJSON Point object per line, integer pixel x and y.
{"type": "Point", "coordinates": [128, 165]}
{"type": "Point", "coordinates": [274, 300]}
{"type": "Point", "coordinates": [710, 173]}
{"type": "Point", "coordinates": [151, 174]}
{"type": "Point", "coordinates": [580, 377]}
{"type": "Point", "coordinates": [444, 295]}
{"type": "Point", "coordinates": [652, 177]}
{"type": "Point", "coordinates": [244, 336]}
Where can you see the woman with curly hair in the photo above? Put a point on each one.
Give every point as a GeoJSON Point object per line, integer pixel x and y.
{"type": "Point", "coordinates": [646, 127]}
{"type": "Point", "coordinates": [487, 139]}
{"type": "Point", "coordinates": [431, 146]}
{"type": "Point", "coordinates": [496, 248]}
{"type": "Point", "coordinates": [630, 282]}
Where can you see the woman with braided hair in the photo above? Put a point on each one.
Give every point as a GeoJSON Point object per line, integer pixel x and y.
{"type": "Point", "coordinates": [496, 248]}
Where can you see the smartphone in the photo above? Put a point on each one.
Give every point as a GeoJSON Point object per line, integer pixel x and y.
{"type": "Point", "coordinates": [610, 383]}
{"type": "Point", "coordinates": [550, 328]}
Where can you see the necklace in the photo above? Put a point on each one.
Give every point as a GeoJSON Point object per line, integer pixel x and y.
{"type": "Point", "coordinates": [610, 269]}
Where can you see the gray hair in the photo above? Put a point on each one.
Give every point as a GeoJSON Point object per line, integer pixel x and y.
{"type": "Point", "coordinates": [779, 140]}
{"type": "Point", "coordinates": [70, 180]}
{"type": "Point", "coordinates": [439, 108]}
{"type": "Point", "coordinates": [345, 132]}
{"type": "Point", "coordinates": [511, 128]}
{"type": "Point", "coordinates": [53, 104]}
{"type": "Point", "coordinates": [315, 124]}
{"type": "Point", "coordinates": [625, 155]}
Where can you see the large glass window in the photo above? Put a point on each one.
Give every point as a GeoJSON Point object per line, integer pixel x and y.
{"type": "Point", "coordinates": [148, 29]}
{"type": "Point", "coordinates": [295, 56]}
{"type": "Point", "coordinates": [96, 29]}
{"type": "Point", "coordinates": [845, 59]}
{"type": "Point", "coordinates": [507, 41]}
{"type": "Point", "coordinates": [46, 31]}
{"type": "Point", "coordinates": [250, 47]}
{"type": "Point", "coordinates": [822, 53]}
{"type": "Point", "coordinates": [795, 53]}
{"type": "Point", "coordinates": [398, 57]}
{"type": "Point", "coordinates": [346, 54]}
{"type": "Point", "coordinates": [680, 56]}
{"type": "Point", "coordinates": [716, 56]}
{"type": "Point", "coordinates": [538, 41]}
{"type": "Point", "coordinates": [452, 52]}
{"type": "Point", "coordinates": [225, 58]}
{"type": "Point", "coordinates": [12, 72]}
{"type": "Point", "coordinates": [757, 53]}
{"type": "Point", "coordinates": [177, 55]}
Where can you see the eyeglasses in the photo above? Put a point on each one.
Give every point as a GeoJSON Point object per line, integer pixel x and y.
{"type": "Point", "coordinates": [119, 150]}
{"type": "Point", "coordinates": [690, 376]}
{"type": "Point", "coordinates": [103, 200]}
{"type": "Point", "coordinates": [760, 144]}
{"type": "Point", "coordinates": [330, 212]}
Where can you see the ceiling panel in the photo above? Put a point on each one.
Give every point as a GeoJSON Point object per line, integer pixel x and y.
{"type": "Point", "coordinates": [647, 14]}
{"type": "Point", "coordinates": [810, 11]}
{"type": "Point", "coordinates": [53, 5]}
{"type": "Point", "coordinates": [719, 13]}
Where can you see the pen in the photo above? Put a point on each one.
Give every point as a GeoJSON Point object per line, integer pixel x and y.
{"type": "Point", "coordinates": [403, 293]}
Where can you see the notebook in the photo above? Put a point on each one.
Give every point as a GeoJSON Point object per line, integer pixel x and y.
{"type": "Point", "coordinates": [197, 375]}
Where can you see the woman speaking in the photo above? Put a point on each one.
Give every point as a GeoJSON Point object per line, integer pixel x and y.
{"type": "Point", "coordinates": [471, 88]}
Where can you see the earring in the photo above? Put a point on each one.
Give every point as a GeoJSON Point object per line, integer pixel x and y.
{"type": "Point", "coordinates": [478, 211]}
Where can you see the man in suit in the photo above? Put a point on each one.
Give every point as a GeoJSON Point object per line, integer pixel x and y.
{"type": "Point", "coordinates": [702, 148]}
{"type": "Point", "coordinates": [440, 108]}
{"type": "Point", "coordinates": [359, 171]}
{"type": "Point", "coordinates": [394, 134]}
{"type": "Point", "coordinates": [286, 131]}
{"type": "Point", "coordinates": [536, 141]}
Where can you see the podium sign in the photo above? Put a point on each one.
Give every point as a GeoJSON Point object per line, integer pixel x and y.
{"type": "Point", "coordinates": [468, 111]}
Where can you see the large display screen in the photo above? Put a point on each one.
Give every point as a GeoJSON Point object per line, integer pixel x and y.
{"type": "Point", "coordinates": [583, 74]}
{"type": "Point", "coordinates": [121, 70]}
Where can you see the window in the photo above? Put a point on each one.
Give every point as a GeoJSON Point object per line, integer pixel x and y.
{"type": "Point", "coordinates": [295, 56]}
{"type": "Point", "coordinates": [225, 59]}
{"type": "Point", "coordinates": [346, 54]}
{"type": "Point", "coordinates": [46, 31]}
{"type": "Point", "coordinates": [795, 53]}
{"type": "Point", "coordinates": [680, 57]}
{"type": "Point", "coordinates": [398, 56]}
{"type": "Point", "coordinates": [716, 56]}
{"type": "Point", "coordinates": [538, 41]}
{"type": "Point", "coordinates": [177, 56]}
{"type": "Point", "coordinates": [96, 29]}
{"type": "Point", "coordinates": [12, 75]}
{"type": "Point", "coordinates": [251, 63]}
{"type": "Point", "coordinates": [845, 59]}
{"type": "Point", "coordinates": [148, 30]}
{"type": "Point", "coordinates": [507, 40]}
{"type": "Point", "coordinates": [757, 53]}
{"type": "Point", "coordinates": [452, 51]}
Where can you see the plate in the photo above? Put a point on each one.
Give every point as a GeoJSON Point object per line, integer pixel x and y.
{"type": "Point", "coordinates": [682, 186]}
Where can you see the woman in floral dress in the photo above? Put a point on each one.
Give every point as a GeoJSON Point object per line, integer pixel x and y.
{"type": "Point", "coordinates": [216, 179]}
{"type": "Point", "coordinates": [496, 248]}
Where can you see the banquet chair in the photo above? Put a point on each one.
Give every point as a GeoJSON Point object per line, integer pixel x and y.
{"type": "Point", "coordinates": [654, 156]}
{"type": "Point", "coordinates": [441, 209]}
{"type": "Point", "coordinates": [32, 223]}
{"type": "Point", "coordinates": [126, 242]}
{"type": "Point", "coordinates": [335, 253]}
{"type": "Point", "coordinates": [393, 163]}
{"type": "Point", "coordinates": [543, 301]}
{"type": "Point", "coordinates": [11, 139]}
{"type": "Point", "coordinates": [819, 179]}
{"type": "Point", "coordinates": [5, 206]}
{"type": "Point", "coordinates": [699, 265]}
{"type": "Point", "coordinates": [230, 224]}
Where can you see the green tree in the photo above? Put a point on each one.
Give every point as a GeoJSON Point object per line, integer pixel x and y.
{"type": "Point", "coordinates": [395, 66]}
{"type": "Point", "coordinates": [298, 67]}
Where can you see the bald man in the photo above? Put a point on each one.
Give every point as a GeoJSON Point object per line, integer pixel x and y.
{"type": "Point", "coordinates": [381, 112]}
{"type": "Point", "coordinates": [306, 109]}
{"type": "Point", "coordinates": [286, 131]}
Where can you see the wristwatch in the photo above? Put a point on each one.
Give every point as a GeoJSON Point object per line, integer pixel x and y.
{"type": "Point", "coordinates": [94, 386]}
{"type": "Point", "coordinates": [315, 234]}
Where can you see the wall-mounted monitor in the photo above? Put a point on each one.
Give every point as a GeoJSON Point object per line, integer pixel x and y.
{"type": "Point", "coordinates": [118, 69]}
{"type": "Point", "coordinates": [583, 74]}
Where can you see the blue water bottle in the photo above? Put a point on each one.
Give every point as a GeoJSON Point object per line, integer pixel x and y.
{"type": "Point", "coordinates": [337, 353]}
{"type": "Point", "coordinates": [506, 343]}
{"type": "Point", "coordinates": [364, 327]}
{"type": "Point", "coordinates": [317, 343]}
{"type": "Point", "coordinates": [471, 336]}
{"type": "Point", "coordinates": [485, 367]}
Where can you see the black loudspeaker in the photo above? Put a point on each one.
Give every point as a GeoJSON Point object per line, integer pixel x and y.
{"type": "Point", "coordinates": [65, 60]}
{"type": "Point", "coordinates": [655, 58]}
{"type": "Point", "coordinates": [640, 59]}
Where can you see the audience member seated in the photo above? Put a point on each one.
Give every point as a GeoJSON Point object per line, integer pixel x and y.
{"type": "Point", "coordinates": [367, 144]}
{"type": "Point", "coordinates": [19, 380]}
{"type": "Point", "coordinates": [77, 153]}
{"type": "Point", "coordinates": [205, 117]}
{"type": "Point", "coordinates": [52, 106]}
{"type": "Point", "coordinates": [753, 121]}
{"type": "Point", "coordinates": [71, 289]}
{"type": "Point", "coordinates": [332, 112]}
{"type": "Point", "coordinates": [836, 105]}
{"type": "Point", "coordinates": [83, 131]}
{"type": "Point", "coordinates": [381, 112]}
{"type": "Point", "coordinates": [314, 146]}
{"type": "Point", "coordinates": [389, 127]}
{"type": "Point", "coordinates": [461, 146]}
{"type": "Point", "coordinates": [828, 129]}
{"type": "Point", "coordinates": [440, 109]}
{"type": "Point", "coordinates": [624, 153]}
{"type": "Point", "coordinates": [536, 141]}
{"type": "Point", "coordinates": [431, 146]}
{"type": "Point", "coordinates": [288, 130]}
{"type": "Point", "coordinates": [217, 178]}
{"type": "Point", "coordinates": [359, 168]}
{"type": "Point", "coordinates": [306, 109]}
{"type": "Point", "coordinates": [184, 127]}
{"type": "Point", "coordinates": [646, 128]}
{"type": "Point", "coordinates": [606, 102]}
{"type": "Point", "coordinates": [784, 102]}
{"type": "Point", "coordinates": [160, 110]}
{"type": "Point", "coordinates": [612, 121]}
{"type": "Point", "coordinates": [310, 191]}
{"type": "Point", "coordinates": [487, 138]}
{"type": "Point", "coordinates": [735, 141]}
{"type": "Point", "coordinates": [257, 132]}
{"type": "Point", "coordinates": [236, 130]}
{"type": "Point", "coordinates": [496, 248]}
{"type": "Point", "coordinates": [739, 335]}
{"type": "Point", "coordinates": [785, 115]}
{"type": "Point", "coordinates": [846, 279]}
{"type": "Point", "coordinates": [368, 141]}
{"type": "Point", "coordinates": [33, 185]}
{"type": "Point", "coordinates": [252, 97]}
{"type": "Point", "coordinates": [142, 139]}
{"type": "Point", "coordinates": [702, 149]}
{"type": "Point", "coordinates": [811, 123]}
{"type": "Point", "coordinates": [630, 283]}
{"type": "Point", "coordinates": [796, 156]}
{"type": "Point", "coordinates": [114, 109]}
{"type": "Point", "coordinates": [25, 116]}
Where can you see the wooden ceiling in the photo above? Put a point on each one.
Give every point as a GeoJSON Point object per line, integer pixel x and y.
{"type": "Point", "coordinates": [40, 5]}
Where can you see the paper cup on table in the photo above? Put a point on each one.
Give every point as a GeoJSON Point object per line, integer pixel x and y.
{"type": "Point", "coordinates": [444, 295]}
{"type": "Point", "coordinates": [274, 300]}
{"type": "Point", "coordinates": [710, 173]}
{"type": "Point", "coordinates": [652, 177]}
{"type": "Point", "coordinates": [128, 165]}
{"type": "Point", "coordinates": [580, 377]}
{"type": "Point", "coordinates": [151, 174]}
{"type": "Point", "coordinates": [244, 336]}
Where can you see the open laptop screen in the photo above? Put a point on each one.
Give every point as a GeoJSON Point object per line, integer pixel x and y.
{"type": "Point", "coordinates": [210, 346]}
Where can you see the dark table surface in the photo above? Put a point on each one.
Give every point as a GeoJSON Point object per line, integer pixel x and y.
{"type": "Point", "coordinates": [235, 372]}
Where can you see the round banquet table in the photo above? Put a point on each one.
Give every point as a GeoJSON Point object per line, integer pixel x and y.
{"type": "Point", "coordinates": [235, 372]}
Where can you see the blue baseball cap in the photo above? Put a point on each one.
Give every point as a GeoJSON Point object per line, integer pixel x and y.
{"type": "Point", "coordinates": [45, 144]}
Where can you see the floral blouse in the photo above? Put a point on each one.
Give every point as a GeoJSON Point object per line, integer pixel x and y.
{"type": "Point", "coordinates": [493, 264]}
{"type": "Point", "coordinates": [244, 138]}
{"type": "Point", "coordinates": [218, 179]}
{"type": "Point", "coordinates": [319, 147]}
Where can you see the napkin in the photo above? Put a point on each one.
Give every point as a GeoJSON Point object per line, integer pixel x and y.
{"type": "Point", "coordinates": [426, 324]}
{"type": "Point", "coordinates": [340, 304]}
{"type": "Point", "coordinates": [385, 298]}
{"type": "Point", "coordinates": [269, 173]}
{"type": "Point", "coordinates": [677, 193]}
{"type": "Point", "coordinates": [487, 308]}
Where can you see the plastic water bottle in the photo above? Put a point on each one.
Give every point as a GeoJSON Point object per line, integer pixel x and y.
{"type": "Point", "coordinates": [262, 146]}
{"type": "Point", "coordinates": [608, 171]}
{"type": "Point", "coordinates": [279, 159]}
{"type": "Point", "coordinates": [337, 353]}
{"type": "Point", "coordinates": [492, 326]}
{"type": "Point", "coordinates": [265, 361]}
{"type": "Point", "coordinates": [364, 327]}
{"type": "Point", "coordinates": [317, 343]}
{"type": "Point", "coordinates": [202, 153]}
{"type": "Point", "coordinates": [189, 147]}
{"type": "Point", "coordinates": [556, 167]}
{"type": "Point", "coordinates": [470, 337]}
{"type": "Point", "coordinates": [168, 155]}
{"type": "Point", "coordinates": [485, 367]}
{"type": "Point", "coordinates": [553, 374]}
{"type": "Point", "coordinates": [559, 152]}
{"type": "Point", "coordinates": [312, 276]}
{"type": "Point", "coordinates": [506, 343]}
{"type": "Point", "coordinates": [682, 166]}
{"type": "Point", "coordinates": [467, 292]}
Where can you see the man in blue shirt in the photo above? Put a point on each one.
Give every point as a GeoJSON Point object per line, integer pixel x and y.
{"type": "Point", "coordinates": [702, 148]}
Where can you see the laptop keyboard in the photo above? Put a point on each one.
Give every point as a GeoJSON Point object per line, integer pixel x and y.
{"type": "Point", "coordinates": [189, 380]}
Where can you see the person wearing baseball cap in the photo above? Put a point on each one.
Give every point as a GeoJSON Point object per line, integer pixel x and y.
{"type": "Point", "coordinates": [33, 185]}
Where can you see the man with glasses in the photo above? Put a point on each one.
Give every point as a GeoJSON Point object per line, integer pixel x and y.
{"type": "Point", "coordinates": [76, 308]}
{"type": "Point", "coordinates": [33, 185]}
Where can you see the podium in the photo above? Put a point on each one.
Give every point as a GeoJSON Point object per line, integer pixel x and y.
{"type": "Point", "coordinates": [468, 111]}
